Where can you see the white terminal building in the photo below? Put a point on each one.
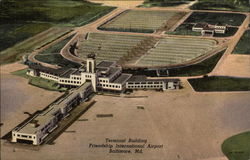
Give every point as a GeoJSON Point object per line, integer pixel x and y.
{"type": "Point", "coordinates": [107, 76]}
{"type": "Point", "coordinates": [42, 123]}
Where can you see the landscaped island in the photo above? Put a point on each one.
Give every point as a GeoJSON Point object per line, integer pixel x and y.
{"type": "Point", "coordinates": [208, 21]}
{"type": "Point", "coordinates": [226, 5]}
{"type": "Point", "coordinates": [237, 147]}
{"type": "Point", "coordinates": [164, 3]}
{"type": "Point", "coordinates": [214, 83]}
{"type": "Point", "coordinates": [243, 46]}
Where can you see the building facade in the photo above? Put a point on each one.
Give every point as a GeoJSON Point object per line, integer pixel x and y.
{"type": "Point", "coordinates": [105, 77]}
{"type": "Point", "coordinates": [142, 82]}
{"type": "Point", "coordinates": [208, 29]}
{"type": "Point", "coordinates": [35, 130]}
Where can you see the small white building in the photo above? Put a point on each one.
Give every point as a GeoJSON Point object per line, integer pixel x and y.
{"type": "Point", "coordinates": [198, 27]}
{"type": "Point", "coordinates": [208, 29]}
{"type": "Point", "coordinates": [220, 29]}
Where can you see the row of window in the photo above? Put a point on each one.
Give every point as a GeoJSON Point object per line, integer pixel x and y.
{"type": "Point", "coordinates": [77, 78]}
{"type": "Point", "coordinates": [145, 86]}
{"type": "Point", "coordinates": [69, 81]}
{"type": "Point", "coordinates": [220, 27]}
{"type": "Point", "coordinates": [145, 82]}
{"type": "Point", "coordinates": [105, 81]}
{"type": "Point", "coordinates": [88, 76]}
{"type": "Point", "coordinates": [197, 29]}
{"type": "Point", "coordinates": [50, 76]}
{"type": "Point", "coordinates": [25, 136]}
{"type": "Point", "coordinates": [108, 85]}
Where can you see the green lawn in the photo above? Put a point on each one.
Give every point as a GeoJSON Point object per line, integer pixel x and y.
{"type": "Point", "coordinates": [127, 30]}
{"type": "Point", "coordinates": [66, 12]}
{"type": "Point", "coordinates": [163, 3]}
{"type": "Point", "coordinates": [184, 29]}
{"type": "Point", "coordinates": [23, 19]}
{"type": "Point", "coordinates": [201, 68]}
{"type": "Point", "coordinates": [12, 33]}
{"type": "Point", "coordinates": [237, 147]}
{"type": "Point", "coordinates": [57, 47]}
{"type": "Point", "coordinates": [214, 83]}
{"type": "Point", "coordinates": [226, 5]}
{"type": "Point", "coordinates": [52, 55]}
{"type": "Point", "coordinates": [21, 73]}
{"type": "Point", "coordinates": [233, 19]}
{"type": "Point", "coordinates": [15, 52]}
{"type": "Point", "coordinates": [243, 46]}
{"type": "Point", "coordinates": [198, 69]}
{"type": "Point", "coordinates": [39, 82]}
{"type": "Point", "coordinates": [56, 59]}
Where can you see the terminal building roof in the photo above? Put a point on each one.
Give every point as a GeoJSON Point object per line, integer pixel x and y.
{"type": "Point", "coordinates": [44, 117]}
{"type": "Point", "coordinates": [69, 72]}
{"type": "Point", "coordinates": [105, 64]}
{"type": "Point", "coordinates": [110, 72]}
{"type": "Point", "coordinates": [122, 78]}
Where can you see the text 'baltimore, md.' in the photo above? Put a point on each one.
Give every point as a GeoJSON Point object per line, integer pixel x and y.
{"type": "Point", "coordinates": [126, 145]}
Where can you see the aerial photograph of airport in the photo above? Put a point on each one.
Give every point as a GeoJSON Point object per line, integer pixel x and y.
{"type": "Point", "coordinates": [125, 79]}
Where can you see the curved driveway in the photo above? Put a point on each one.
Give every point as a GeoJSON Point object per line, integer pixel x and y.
{"type": "Point", "coordinates": [229, 42]}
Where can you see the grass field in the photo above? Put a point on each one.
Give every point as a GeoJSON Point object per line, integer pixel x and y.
{"type": "Point", "coordinates": [14, 33]}
{"type": "Point", "coordinates": [237, 147]}
{"type": "Point", "coordinates": [227, 5]}
{"type": "Point", "coordinates": [201, 68]}
{"type": "Point", "coordinates": [110, 47]}
{"type": "Point", "coordinates": [184, 29]}
{"type": "Point", "coordinates": [169, 51]}
{"type": "Point", "coordinates": [139, 21]}
{"type": "Point", "coordinates": [39, 82]}
{"type": "Point", "coordinates": [163, 3]}
{"type": "Point", "coordinates": [56, 59]}
{"type": "Point", "coordinates": [243, 46]}
{"type": "Point", "coordinates": [52, 55]}
{"type": "Point", "coordinates": [233, 19]}
{"type": "Point", "coordinates": [210, 84]}
{"type": "Point", "coordinates": [14, 53]}
{"type": "Point", "coordinates": [57, 47]}
{"type": "Point", "coordinates": [198, 69]}
{"type": "Point", "coordinates": [66, 12]}
{"type": "Point", "coordinates": [23, 19]}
